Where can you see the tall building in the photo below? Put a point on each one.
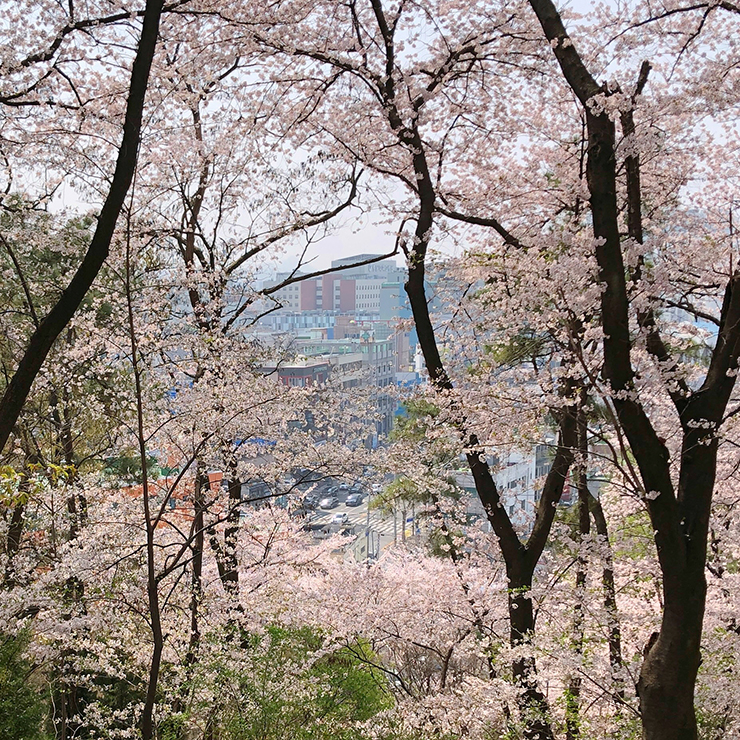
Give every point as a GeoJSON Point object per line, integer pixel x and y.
{"type": "Point", "coordinates": [362, 288]}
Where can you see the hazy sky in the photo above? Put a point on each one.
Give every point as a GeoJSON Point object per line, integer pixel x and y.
{"type": "Point", "coordinates": [349, 240]}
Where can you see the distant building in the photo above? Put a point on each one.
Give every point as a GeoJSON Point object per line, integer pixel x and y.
{"type": "Point", "coordinates": [300, 373]}
{"type": "Point", "coordinates": [347, 321]}
{"type": "Point", "coordinates": [519, 475]}
{"type": "Point", "coordinates": [348, 290]}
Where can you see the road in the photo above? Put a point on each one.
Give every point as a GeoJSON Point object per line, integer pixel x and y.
{"type": "Point", "coordinates": [357, 517]}
{"type": "Point", "coordinates": [374, 533]}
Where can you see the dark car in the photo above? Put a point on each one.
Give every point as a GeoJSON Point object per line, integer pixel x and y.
{"type": "Point", "coordinates": [354, 499]}
{"type": "Point", "coordinates": [329, 502]}
{"type": "Point", "coordinates": [311, 500]}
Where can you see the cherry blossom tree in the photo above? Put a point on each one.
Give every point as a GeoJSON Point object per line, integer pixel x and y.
{"type": "Point", "coordinates": [581, 238]}
{"type": "Point", "coordinates": [50, 326]}
{"type": "Point", "coordinates": [409, 91]}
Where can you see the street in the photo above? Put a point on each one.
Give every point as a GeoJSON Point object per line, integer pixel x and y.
{"type": "Point", "coordinates": [374, 532]}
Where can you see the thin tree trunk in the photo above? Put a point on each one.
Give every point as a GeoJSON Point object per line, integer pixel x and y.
{"type": "Point", "coordinates": [152, 588]}
{"type": "Point", "coordinates": [196, 594]}
{"type": "Point", "coordinates": [231, 534]}
{"type": "Point", "coordinates": [573, 692]}
{"type": "Point", "coordinates": [196, 564]}
{"type": "Point", "coordinates": [610, 602]}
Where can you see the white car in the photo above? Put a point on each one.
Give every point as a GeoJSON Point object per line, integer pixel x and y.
{"type": "Point", "coordinates": [339, 518]}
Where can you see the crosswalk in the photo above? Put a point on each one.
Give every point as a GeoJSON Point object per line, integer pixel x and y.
{"type": "Point", "coordinates": [359, 521]}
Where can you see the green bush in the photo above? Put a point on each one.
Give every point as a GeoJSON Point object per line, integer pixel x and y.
{"type": "Point", "coordinates": [321, 699]}
{"type": "Point", "coordinates": [22, 703]}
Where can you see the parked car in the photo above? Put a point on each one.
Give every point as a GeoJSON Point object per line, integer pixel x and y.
{"type": "Point", "coordinates": [354, 499]}
{"type": "Point", "coordinates": [339, 518]}
{"type": "Point", "coordinates": [329, 502]}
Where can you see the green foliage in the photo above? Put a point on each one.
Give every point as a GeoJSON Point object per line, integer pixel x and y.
{"type": "Point", "coordinates": [40, 251]}
{"type": "Point", "coordinates": [413, 426]}
{"type": "Point", "coordinates": [10, 491]}
{"type": "Point", "coordinates": [402, 492]}
{"type": "Point", "coordinates": [127, 467]}
{"type": "Point", "coordinates": [73, 413]}
{"type": "Point", "coordinates": [286, 693]}
{"type": "Point", "coordinates": [420, 416]}
{"type": "Point", "coordinates": [636, 540]}
{"type": "Point", "coordinates": [438, 542]}
{"type": "Point", "coordinates": [22, 704]}
{"type": "Point", "coordinates": [526, 346]}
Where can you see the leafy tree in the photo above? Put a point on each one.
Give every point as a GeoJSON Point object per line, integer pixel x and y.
{"type": "Point", "coordinates": [291, 683]}
{"type": "Point", "coordinates": [23, 706]}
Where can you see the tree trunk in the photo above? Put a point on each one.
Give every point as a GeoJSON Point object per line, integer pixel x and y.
{"type": "Point", "coordinates": [179, 704]}
{"type": "Point", "coordinates": [679, 519]}
{"type": "Point", "coordinates": [573, 692]}
{"type": "Point", "coordinates": [53, 323]}
{"type": "Point", "coordinates": [532, 702]}
{"type": "Point", "coordinates": [231, 534]}
{"type": "Point", "coordinates": [672, 658]}
{"type": "Point", "coordinates": [147, 715]}
{"type": "Point", "coordinates": [610, 601]}
{"type": "Point", "coordinates": [196, 565]}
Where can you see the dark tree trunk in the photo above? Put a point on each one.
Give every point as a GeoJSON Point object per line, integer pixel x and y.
{"type": "Point", "coordinates": [58, 317]}
{"type": "Point", "coordinates": [196, 565]}
{"type": "Point", "coordinates": [520, 558]}
{"type": "Point", "coordinates": [226, 557]}
{"type": "Point", "coordinates": [65, 455]}
{"type": "Point", "coordinates": [231, 535]}
{"type": "Point", "coordinates": [680, 518]}
{"type": "Point", "coordinates": [668, 673]}
{"type": "Point", "coordinates": [610, 601]}
{"type": "Point", "coordinates": [672, 657]}
{"type": "Point", "coordinates": [573, 692]}
{"type": "Point", "coordinates": [179, 704]}
{"type": "Point", "coordinates": [533, 705]}
{"type": "Point", "coordinates": [147, 715]}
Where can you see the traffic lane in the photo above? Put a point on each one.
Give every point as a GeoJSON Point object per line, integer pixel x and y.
{"type": "Point", "coordinates": [342, 507]}
{"type": "Point", "coordinates": [351, 511]}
